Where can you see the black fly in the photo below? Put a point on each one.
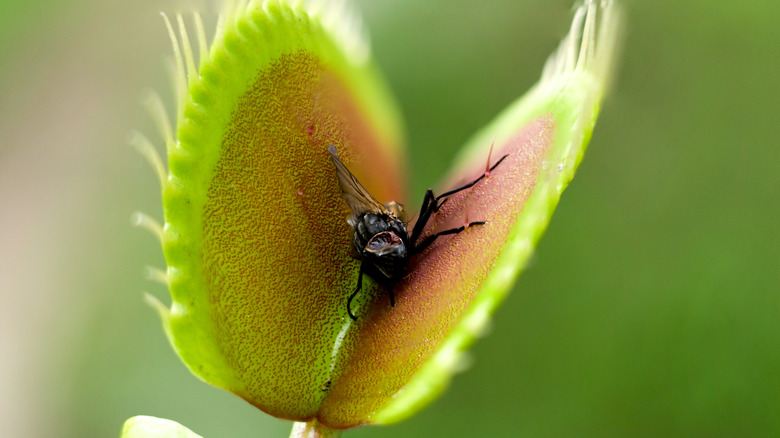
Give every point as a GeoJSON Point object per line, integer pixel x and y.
{"type": "Point", "coordinates": [381, 241]}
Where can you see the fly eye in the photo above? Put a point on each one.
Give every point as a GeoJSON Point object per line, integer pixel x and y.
{"type": "Point", "coordinates": [379, 241]}
{"type": "Point", "coordinates": [382, 241]}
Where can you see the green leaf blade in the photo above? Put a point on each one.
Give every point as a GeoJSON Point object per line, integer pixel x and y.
{"type": "Point", "coordinates": [260, 255]}
{"type": "Point", "coordinates": [558, 115]}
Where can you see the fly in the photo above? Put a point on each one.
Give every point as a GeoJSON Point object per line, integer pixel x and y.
{"type": "Point", "coordinates": [381, 241]}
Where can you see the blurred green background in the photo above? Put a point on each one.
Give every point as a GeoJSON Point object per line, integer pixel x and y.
{"type": "Point", "coordinates": [651, 308]}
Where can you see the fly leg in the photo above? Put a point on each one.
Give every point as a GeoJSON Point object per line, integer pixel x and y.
{"type": "Point", "coordinates": [465, 186]}
{"type": "Point", "coordinates": [432, 204]}
{"type": "Point", "coordinates": [429, 240]}
{"type": "Point", "coordinates": [427, 209]}
{"type": "Point", "coordinates": [357, 289]}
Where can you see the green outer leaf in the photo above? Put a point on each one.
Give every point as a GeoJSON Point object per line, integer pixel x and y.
{"type": "Point", "coordinates": [570, 92]}
{"type": "Point", "coordinates": [142, 426]}
{"type": "Point", "coordinates": [277, 29]}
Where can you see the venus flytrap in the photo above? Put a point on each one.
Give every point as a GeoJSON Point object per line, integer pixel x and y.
{"type": "Point", "coordinates": [255, 237]}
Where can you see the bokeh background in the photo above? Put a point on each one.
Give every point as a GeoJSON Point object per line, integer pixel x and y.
{"type": "Point", "coordinates": [651, 308]}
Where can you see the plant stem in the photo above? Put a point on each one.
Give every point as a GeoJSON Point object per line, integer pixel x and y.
{"type": "Point", "coordinates": [313, 429]}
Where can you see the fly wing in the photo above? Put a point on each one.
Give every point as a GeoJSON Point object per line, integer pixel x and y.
{"type": "Point", "coordinates": [352, 192]}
